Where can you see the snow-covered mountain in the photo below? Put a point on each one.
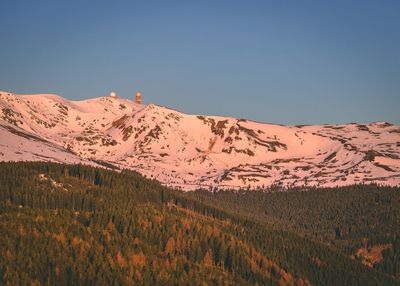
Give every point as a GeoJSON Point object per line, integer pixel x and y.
{"type": "Point", "coordinates": [191, 151]}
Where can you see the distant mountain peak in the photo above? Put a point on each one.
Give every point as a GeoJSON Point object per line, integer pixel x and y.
{"type": "Point", "coordinates": [193, 151]}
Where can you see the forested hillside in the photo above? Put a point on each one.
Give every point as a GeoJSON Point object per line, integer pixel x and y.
{"type": "Point", "coordinates": [362, 221]}
{"type": "Point", "coordinates": [74, 225]}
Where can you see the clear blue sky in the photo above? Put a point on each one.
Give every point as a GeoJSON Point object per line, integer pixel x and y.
{"type": "Point", "coordinates": [289, 62]}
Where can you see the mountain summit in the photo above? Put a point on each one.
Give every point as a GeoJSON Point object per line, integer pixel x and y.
{"type": "Point", "coordinates": [193, 151]}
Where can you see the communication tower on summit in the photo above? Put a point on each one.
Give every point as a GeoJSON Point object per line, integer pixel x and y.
{"type": "Point", "coordinates": [138, 98]}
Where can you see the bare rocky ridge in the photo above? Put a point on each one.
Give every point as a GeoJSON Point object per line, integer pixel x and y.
{"type": "Point", "coordinates": [190, 151]}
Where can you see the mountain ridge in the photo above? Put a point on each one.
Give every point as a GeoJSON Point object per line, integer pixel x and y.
{"type": "Point", "coordinates": [196, 151]}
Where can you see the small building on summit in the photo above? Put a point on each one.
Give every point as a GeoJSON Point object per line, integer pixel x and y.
{"type": "Point", "coordinates": [138, 98]}
{"type": "Point", "coordinates": [113, 94]}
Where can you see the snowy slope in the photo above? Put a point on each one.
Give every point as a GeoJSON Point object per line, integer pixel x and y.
{"type": "Point", "coordinates": [190, 151]}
